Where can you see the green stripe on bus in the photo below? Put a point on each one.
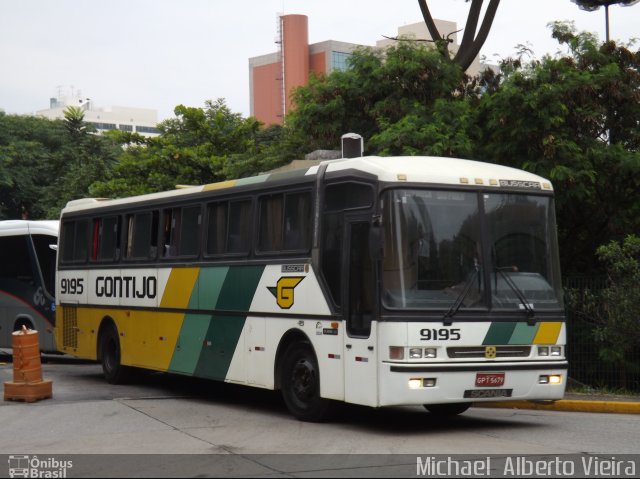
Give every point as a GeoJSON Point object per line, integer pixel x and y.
{"type": "Point", "coordinates": [219, 346]}
{"type": "Point", "coordinates": [499, 333]}
{"type": "Point", "coordinates": [239, 288]}
{"type": "Point", "coordinates": [208, 287]}
{"type": "Point", "coordinates": [524, 333]}
{"type": "Point", "coordinates": [235, 294]}
{"type": "Point", "coordinates": [190, 343]}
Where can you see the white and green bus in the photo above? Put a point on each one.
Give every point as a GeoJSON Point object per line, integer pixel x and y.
{"type": "Point", "coordinates": [374, 281]}
{"type": "Point", "coordinates": [27, 280]}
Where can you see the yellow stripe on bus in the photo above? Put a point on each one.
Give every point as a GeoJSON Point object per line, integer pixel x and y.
{"type": "Point", "coordinates": [179, 287]}
{"type": "Point", "coordinates": [219, 186]}
{"type": "Point", "coordinates": [548, 333]}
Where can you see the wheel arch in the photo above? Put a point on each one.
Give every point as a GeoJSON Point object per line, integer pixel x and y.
{"type": "Point", "coordinates": [106, 323]}
{"type": "Point", "coordinates": [290, 337]}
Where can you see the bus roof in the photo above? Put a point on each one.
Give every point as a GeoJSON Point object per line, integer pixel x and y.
{"type": "Point", "coordinates": [399, 169]}
{"type": "Point", "coordinates": [21, 227]}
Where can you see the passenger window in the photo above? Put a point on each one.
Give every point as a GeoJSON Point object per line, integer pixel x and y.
{"type": "Point", "coordinates": [14, 259]}
{"type": "Point", "coordinates": [109, 245]}
{"type": "Point", "coordinates": [285, 222]}
{"type": "Point", "coordinates": [189, 231]}
{"type": "Point", "coordinates": [75, 235]}
{"type": "Point", "coordinates": [216, 228]}
{"type": "Point", "coordinates": [142, 232]}
{"type": "Point", "coordinates": [240, 227]}
{"type": "Point", "coordinates": [271, 216]}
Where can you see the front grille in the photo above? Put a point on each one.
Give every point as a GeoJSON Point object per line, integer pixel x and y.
{"type": "Point", "coordinates": [70, 327]}
{"type": "Point", "coordinates": [479, 352]}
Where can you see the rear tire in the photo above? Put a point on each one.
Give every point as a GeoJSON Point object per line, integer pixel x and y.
{"type": "Point", "coordinates": [300, 379]}
{"type": "Point", "coordinates": [112, 369]}
{"type": "Point", "coordinates": [447, 409]}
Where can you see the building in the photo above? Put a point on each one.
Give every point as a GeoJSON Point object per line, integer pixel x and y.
{"type": "Point", "coordinates": [272, 77]}
{"type": "Point", "coordinates": [135, 120]}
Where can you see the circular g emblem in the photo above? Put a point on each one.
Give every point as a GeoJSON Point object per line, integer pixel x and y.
{"type": "Point", "coordinates": [490, 352]}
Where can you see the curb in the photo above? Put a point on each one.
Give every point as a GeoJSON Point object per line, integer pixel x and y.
{"type": "Point", "coordinates": [571, 405]}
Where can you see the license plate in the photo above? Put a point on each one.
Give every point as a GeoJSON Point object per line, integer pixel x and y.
{"type": "Point", "coordinates": [489, 380]}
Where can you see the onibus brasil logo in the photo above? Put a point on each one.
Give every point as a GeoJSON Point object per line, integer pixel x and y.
{"type": "Point", "coordinates": [283, 290]}
{"type": "Point", "coordinates": [27, 466]}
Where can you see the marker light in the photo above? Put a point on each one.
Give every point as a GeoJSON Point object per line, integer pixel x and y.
{"type": "Point", "coordinates": [396, 353]}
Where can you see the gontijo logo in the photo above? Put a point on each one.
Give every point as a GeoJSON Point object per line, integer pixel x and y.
{"type": "Point", "coordinates": [283, 290]}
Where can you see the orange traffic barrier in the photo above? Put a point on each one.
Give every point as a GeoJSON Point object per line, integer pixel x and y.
{"type": "Point", "coordinates": [27, 384]}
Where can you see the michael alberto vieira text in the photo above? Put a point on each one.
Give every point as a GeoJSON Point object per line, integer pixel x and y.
{"type": "Point", "coordinates": [520, 466]}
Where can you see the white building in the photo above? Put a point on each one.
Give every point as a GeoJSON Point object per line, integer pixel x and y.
{"type": "Point", "coordinates": [134, 120]}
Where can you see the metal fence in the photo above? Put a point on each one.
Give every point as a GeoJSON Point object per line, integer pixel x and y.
{"type": "Point", "coordinates": [586, 365]}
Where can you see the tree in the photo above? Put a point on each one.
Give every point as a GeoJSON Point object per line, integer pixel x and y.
{"type": "Point", "coordinates": [613, 311]}
{"type": "Point", "coordinates": [401, 102]}
{"type": "Point", "coordinates": [593, 5]}
{"type": "Point", "coordinates": [573, 119]}
{"type": "Point", "coordinates": [198, 146]}
{"type": "Point", "coordinates": [471, 41]}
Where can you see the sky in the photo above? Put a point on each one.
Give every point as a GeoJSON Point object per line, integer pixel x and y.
{"type": "Point", "coordinates": [161, 53]}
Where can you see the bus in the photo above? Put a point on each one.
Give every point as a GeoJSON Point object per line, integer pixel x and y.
{"type": "Point", "coordinates": [27, 280]}
{"type": "Point", "coordinates": [374, 281]}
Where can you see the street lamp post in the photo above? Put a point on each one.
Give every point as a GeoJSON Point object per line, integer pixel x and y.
{"type": "Point", "coordinates": [593, 5]}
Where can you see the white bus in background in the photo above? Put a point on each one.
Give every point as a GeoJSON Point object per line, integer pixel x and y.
{"type": "Point", "coordinates": [27, 279]}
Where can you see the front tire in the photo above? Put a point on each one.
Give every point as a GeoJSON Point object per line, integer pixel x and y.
{"type": "Point", "coordinates": [447, 409]}
{"type": "Point", "coordinates": [112, 369]}
{"type": "Point", "coordinates": [301, 384]}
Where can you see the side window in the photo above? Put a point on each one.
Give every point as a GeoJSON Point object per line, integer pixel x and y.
{"type": "Point", "coordinates": [216, 228]}
{"type": "Point", "coordinates": [75, 241]}
{"type": "Point", "coordinates": [142, 233]}
{"type": "Point", "coordinates": [347, 196]}
{"type": "Point", "coordinates": [338, 198]}
{"type": "Point", "coordinates": [285, 222]}
{"type": "Point", "coordinates": [297, 222]}
{"type": "Point", "coordinates": [271, 216]}
{"type": "Point", "coordinates": [109, 244]}
{"type": "Point", "coordinates": [229, 229]}
{"type": "Point", "coordinates": [170, 226]}
{"type": "Point", "coordinates": [189, 231]}
{"type": "Point", "coordinates": [46, 259]}
{"type": "Point", "coordinates": [14, 259]}
{"type": "Point", "coordinates": [240, 227]}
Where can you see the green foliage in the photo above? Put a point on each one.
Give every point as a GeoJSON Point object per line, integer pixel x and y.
{"type": "Point", "coordinates": [386, 98]}
{"type": "Point", "coordinates": [614, 311]}
{"type": "Point", "coordinates": [44, 163]}
{"type": "Point", "coordinates": [573, 119]}
{"type": "Point", "coordinates": [198, 146]}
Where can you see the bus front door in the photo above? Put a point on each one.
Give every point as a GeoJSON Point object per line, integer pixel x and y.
{"type": "Point", "coordinates": [360, 355]}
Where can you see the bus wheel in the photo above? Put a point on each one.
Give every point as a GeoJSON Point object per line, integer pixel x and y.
{"type": "Point", "coordinates": [112, 369]}
{"type": "Point", "coordinates": [301, 384]}
{"type": "Point", "coordinates": [448, 409]}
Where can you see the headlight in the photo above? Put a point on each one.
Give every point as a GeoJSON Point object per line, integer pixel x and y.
{"type": "Point", "coordinates": [543, 350]}
{"type": "Point", "coordinates": [415, 353]}
{"type": "Point", "coordinates": [430, 353]}
{"type": "Point", "coordinates": [556, 350]}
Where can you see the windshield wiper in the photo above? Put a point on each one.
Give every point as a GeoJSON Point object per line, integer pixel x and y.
{"type": "Point", "coordinates": [447, 320]}
{"type": "Point", "coordinates": [531, 314]}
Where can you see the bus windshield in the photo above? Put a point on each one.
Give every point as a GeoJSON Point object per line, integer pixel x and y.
{"type": "Point", "coordinates": [447, 249]}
